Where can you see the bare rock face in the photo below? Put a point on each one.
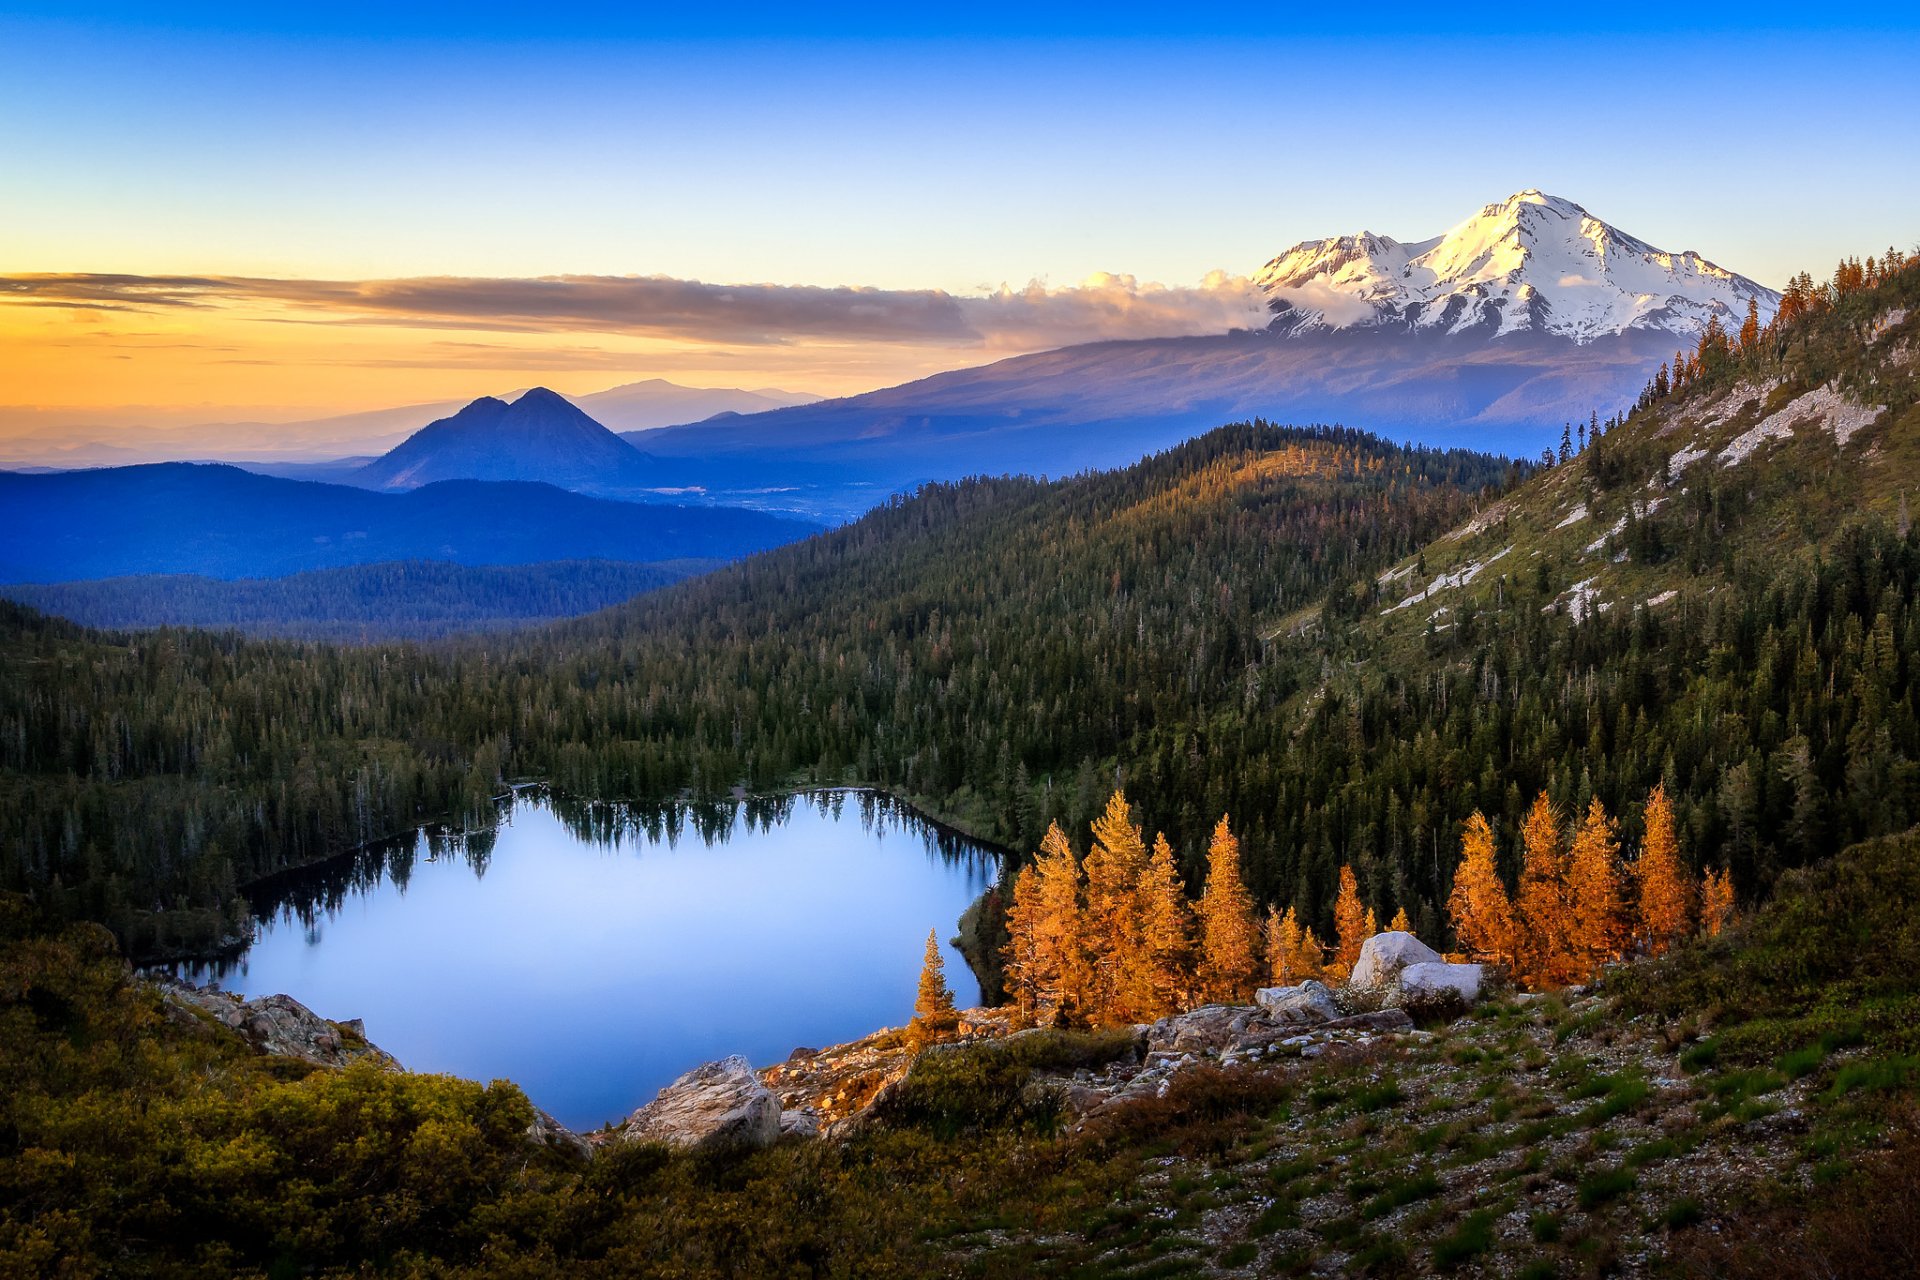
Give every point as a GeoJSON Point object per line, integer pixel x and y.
{"type": "Point", "coordinates": [1211, 1027]}
{"type": "Point", "coordinates": [280, 1025]}
{"type": "Point", "coordinates": [1309, 1002]}
{"type": "Point", "coordinates": [1439, 983]}
{"type": "Point", "coordinates": [1384, 955]}
{"type": "Point", "coordinates": [718, 1107]}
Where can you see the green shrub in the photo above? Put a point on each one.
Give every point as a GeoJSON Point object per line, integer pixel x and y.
{"type": "Point", "coordinates": [1603, 1185]}
{"type": "Point", "coordinates": [1474, 1236]}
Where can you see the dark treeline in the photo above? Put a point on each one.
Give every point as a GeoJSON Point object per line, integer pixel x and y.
{"type": "Point", "coordinates": [394, 600]}
{"type": "Point", "coordinates": [992, 648]}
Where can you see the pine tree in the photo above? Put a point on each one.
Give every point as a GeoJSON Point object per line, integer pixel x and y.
{"type": "Point", "coordinates": [1750, 328]}
{"type": "Point", "coordinates": [1597, 908]}
{"type": "Point", "coordinates": [1169, 936]}
{"type": "Point", "coordinates": [1400, 923]}
{"type": "Point", "coordinates": [1350, 921]}
{"type": "Point", "coordinates": [1665, 892]}
{"type": "Point", "coordinates": [1115, 923]}
{"type": "Point", "coordinates": [1716, 901]}
{"type": "Point", "coordinates": [933, 1013]}
{"type": "Point", "coordinates": [1229, 935]}
{"type": "Point", "coordinates": [1481, 912]}
{"type": "Point", "coordinates": [1545, 957]}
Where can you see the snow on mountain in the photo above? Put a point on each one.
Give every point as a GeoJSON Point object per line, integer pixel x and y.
{"type": "Point", "coordinates": [1531, 263]}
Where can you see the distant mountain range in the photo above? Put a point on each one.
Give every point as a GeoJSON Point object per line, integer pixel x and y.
{"type": "Point", "coordinates": [223, 522]}
{"type": "Point", "coordinates": [1529, 313]}
{"type": "Point", "coordinates": [310, 447]}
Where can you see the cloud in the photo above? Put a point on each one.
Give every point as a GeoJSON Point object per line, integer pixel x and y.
{"type": "Point", "coordinates": [1031, 318]}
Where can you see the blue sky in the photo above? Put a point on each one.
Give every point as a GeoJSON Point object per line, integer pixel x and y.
{"type": "Point", "coordinates": [960, 151]}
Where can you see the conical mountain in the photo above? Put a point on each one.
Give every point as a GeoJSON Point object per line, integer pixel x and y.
{"type": "Point", "coordinates": [540, 436]}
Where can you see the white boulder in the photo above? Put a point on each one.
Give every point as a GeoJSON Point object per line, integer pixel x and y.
{"type": "Point", "coordinates": [1437, 981]}
{"type": "Point", "coordinates": [1384, 955]}
{"type": "Point", "coordinates": [721, 1106]}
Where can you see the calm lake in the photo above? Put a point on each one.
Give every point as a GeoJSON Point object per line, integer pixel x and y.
{"type": "Point", "coordinates": [591, 953]}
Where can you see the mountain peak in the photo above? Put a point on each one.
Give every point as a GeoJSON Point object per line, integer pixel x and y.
{"type": "Point", "coordinates": [541, 436]}
{"type": "Point", "coordinates": [1530, 263]}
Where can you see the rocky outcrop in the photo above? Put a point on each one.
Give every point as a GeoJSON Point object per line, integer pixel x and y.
{"type": "Point", "coordinates": [1308, 1002]}
{"type": "Point", "coordinates": [1384, 955]}
{"type": "Point", "coordinates": [278, 1025]}
{"type": "Point", "coordinates": [716, 1107]}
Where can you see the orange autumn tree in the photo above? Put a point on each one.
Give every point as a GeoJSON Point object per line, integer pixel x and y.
{"type": "Point", "coordinates": [1596, 908]}
{"type": "Point", "coordinates": [1169, 930]}
{"type": "Point", "coordinates": [1665, 897]}
{"type": "Point", "coordinates": [1400, 923]}
{"type": "Point", "coordinates": [1545, 957]}
{"type": "Point", "coordinates": [1047, 969]}
{"type": "Point", "coordinates": [1020, 972]}
{"type": "Point", "coordinates": [1293, 955]}
{"type": "Point", "coordinates": [1716, 901]}
{"type": "Point", "coordinates": [1229, 936]}
{"type": "Point", "coordinates": [1115, 921]}
{"type": "Point", "coordinates": [1350, 922]}
{"type": "Point", "coordinates": [933, 1012]}
{"type": "Point", "coordinates": [1481, 912]}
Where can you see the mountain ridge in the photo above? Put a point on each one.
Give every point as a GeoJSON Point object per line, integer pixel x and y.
{"type": "Point", "coordinates": [223, 522]}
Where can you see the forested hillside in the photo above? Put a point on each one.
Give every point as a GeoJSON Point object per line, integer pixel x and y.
{"type": "Point", "coordinates": [1717, 595]}
{"type": "Point", "coordinates": [404, 599]}
{"type": "Point", "coordinates": [990, 647]}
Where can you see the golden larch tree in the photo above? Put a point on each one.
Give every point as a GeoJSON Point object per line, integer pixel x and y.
{"type": "Point", "coordinates": [1597, 908]}
{"type": "Point", "coordinates": [1060, 972]}
{"type": "Point", "coordinates": [1716, 901]}
{"type": "Point", "coordinates": [1292, 957]}
{"type": "Point", "coordinates": [933, 1012]}
{"type": "Point", "coordinates": [1229, 932]}
{"type": "Point", "coordinates": [1021, 971]}
{"type": "Point", "coordinates": [1665, 891]}
{"type": "Point", "coordinates": [1115, 923]}
{"type": "Point", "coordinates": [1542, 910]}
{"type": "Point", "coordinates": [1400, 923]}
{"type": "Point", "coordinates": [1350, 923]}
{"type": "Point", "coordinates": [1169, 937]}
{"type": "Point", "coordinates": [1479, 908]}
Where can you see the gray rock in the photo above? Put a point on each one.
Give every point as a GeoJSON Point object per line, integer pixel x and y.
{"type": "Point", "coordinates": [545, 1131]}
{"type": "Point", "coordinates": [1209, 1028]}
{"type": "Point", "coordinates": [279, 1025]}
{"type": "Point", "coordinates": [1378, 1020]}
{"type": "Point", "coordinates": [799, 1124]}
{"type": "Point", "coordinates": [718, 1107]}
{"type": "Point", "coordinates": [1437, 982]}
{"type": "Point", "coordinates": [1308, 1002]}
{"type": "Point", "coordinates": [1384, 955]}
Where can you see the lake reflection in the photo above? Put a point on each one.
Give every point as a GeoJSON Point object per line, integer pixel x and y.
{"type": "Point", "coordinates": [591, 953]}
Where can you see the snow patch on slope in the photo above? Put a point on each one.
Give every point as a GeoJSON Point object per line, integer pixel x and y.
{"type": "Point", "coordinates": [1456, 578]}
{"type": "Point", "coordinates": [1841, 418]}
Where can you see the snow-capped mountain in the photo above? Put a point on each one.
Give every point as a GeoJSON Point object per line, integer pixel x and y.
{"type": "Point", "coordinates": [1531, 263]}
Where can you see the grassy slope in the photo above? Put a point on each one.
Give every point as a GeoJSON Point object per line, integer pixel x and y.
{"type": "Point", "coordinates": [1787, 498]}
